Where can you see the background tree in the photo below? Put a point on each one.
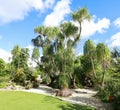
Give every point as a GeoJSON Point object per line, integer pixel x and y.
{"type": "Point", "coordinates": [90, 54]}
{"type": "Point", "coordinates": [46, 41]}
{"type": "Point", "coordinates": [2, 66]}
{"type": "Point", "coordinates": [103, 57]}
{"type": "Point", "coordinates": [19, 64]}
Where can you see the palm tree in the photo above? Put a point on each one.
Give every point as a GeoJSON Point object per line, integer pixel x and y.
{"type": "Point", "coordinates": [67, 31]}
{"type": "Point", "coordinates": [115, 53]}
{"type": "Point", "coordinates": [46, 40]}
{"type": "Point", "coordinates": [15, 56]}
{"type": "Point", "coordinates": [89, 53]}
{"type": "Point", "coordinates": [20, 62]}
{"type": "Point", "coordinates": [103, 57]}
{"type": "Point", "coordinates": [80, 15]}
{"type": "Point", "coordinates": [57, 46]}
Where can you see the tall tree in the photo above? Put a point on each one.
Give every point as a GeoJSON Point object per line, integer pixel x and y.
{"type": "Point", "coordinates": [19, 64]}
{"type": "Point", "coordinates": [90, 54]}
{"type": "Point", "coordinates": [103, 57]}
{"type": "Point", "coordinates": [57, 46]}
{"type": "Point", "coordinates": [15, 56]}
{"type": "Point", "coordinates": [46, 41]}
{"type": "Point", "coordinates": [80, 15]}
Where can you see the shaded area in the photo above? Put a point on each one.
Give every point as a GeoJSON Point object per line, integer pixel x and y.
{"type": "Point", "coordinates": [75, 107]}
{"type": "Point", "coordinates": [91, 101]}
{"type": "Point", "coordinates": [63, 105]}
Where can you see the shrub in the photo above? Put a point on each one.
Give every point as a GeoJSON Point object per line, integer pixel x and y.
{"type": "Point", "coordinates": [36, 83]}
{"type": "Point", "coordinates": [103, 94]}
{"type": "Point", "coordinates": [46, 80]}
{"type": "Point", "coordinates": [4, 79]}
{"type": "Point", "coordinates": [28, 85]}
{"type": "Point", "coordinates": [19, 76]}
{"type": "Point", "coordinates": [116, 103]}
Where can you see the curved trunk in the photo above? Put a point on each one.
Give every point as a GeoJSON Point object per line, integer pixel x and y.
{"type": "Point", "coordinates": [78, 37]}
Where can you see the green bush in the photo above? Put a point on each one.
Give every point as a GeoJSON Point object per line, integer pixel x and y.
{"type": "Point", "coordinates": [46, 80]}
{"type": "Point", "coordinates": [103, 94]}
{"type": "Point", "coordinates": [116, 103]}
{"type": "Point", "coordinates": [4, 79]}
{"type": "Point", "coordinates": [19, 76]}
{"type": "Point", "coordinates": [36, 83]}
{"type": "Point", "coordinates": [28, 85]}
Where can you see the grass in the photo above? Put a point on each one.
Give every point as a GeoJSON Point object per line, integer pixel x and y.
{"type": "Point", "coordinates": [16, 100]}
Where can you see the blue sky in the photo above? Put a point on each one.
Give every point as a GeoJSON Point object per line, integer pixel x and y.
{"type": "Point", "coordinates": [18, 18]}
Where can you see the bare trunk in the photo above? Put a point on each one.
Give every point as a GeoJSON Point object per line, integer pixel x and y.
{"type": "Point", "coordinates": [103, 77]}
{"type": "Point", "coordinates": [74, 84]}
{"type": "Point", "coordinates": [94, 73]}
{"type": "Point", "coordinates": [78, 37]}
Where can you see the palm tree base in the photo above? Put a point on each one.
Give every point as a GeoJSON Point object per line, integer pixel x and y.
{"type": "Point", "coordinates": [64, 92]}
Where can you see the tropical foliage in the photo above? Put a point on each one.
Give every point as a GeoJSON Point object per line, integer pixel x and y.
{"type": "Point", "coordinates": [57, 63]}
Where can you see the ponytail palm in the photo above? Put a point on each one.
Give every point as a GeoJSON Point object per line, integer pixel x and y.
{"type": "Point", "coordinates": [89, 53]}
{"type": "Point", "coordinates": [103, 57]}
{"type": "Point", "coordinates": [79, 16]}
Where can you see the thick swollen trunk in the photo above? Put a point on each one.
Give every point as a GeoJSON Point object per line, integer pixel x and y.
{"type": "Point", "coordinates": [64, 92]}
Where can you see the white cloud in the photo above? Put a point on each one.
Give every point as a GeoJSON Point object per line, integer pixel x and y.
{"type": "Point", "coordinates": [11, 10]}
{"type": "Point", "coordinates": [30, 47]}
{"type": "Point", "coordinates": [117, 22]}
{"type": "Point", "coordinates": [5, 55]}
{"type": "Point", "coordinates": [49, 3]}
{"type": "Point", "coordinates": [90, 28]}
{"type": "Point", "coordinates": [115, 40]}
{"type": "Point", "coordinates": [31, 63]}
{"type": "Point", "coordinates": [61, 9]}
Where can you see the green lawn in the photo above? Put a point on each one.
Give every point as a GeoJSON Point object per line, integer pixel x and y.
{"type": "Point", "coordinates": [12, 100]}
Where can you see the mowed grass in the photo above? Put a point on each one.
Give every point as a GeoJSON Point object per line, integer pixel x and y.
{"type": "Point", "coordinates": [16, 100]}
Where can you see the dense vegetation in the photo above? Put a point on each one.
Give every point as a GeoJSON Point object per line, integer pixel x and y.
{"type": "Point", "coordinates": [60, 67]}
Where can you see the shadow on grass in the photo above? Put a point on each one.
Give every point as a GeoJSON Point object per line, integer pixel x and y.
{"type": "Point", "coordinates": [63, 105]}
{"type": "Point", "coordinates": [75, 107]}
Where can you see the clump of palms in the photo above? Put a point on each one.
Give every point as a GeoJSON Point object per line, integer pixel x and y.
{"type": "Point", "coordinates": [57, 44]}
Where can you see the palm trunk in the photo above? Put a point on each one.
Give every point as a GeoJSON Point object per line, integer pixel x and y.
{"type": "Point", "coordinates": [74, 84]}
{"type": "Point", "coordinates": [78, 36]}
{"type": "Point", "coordinates": [103, 77]}
{"type": "Point", "coordinates": [94, 73]}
